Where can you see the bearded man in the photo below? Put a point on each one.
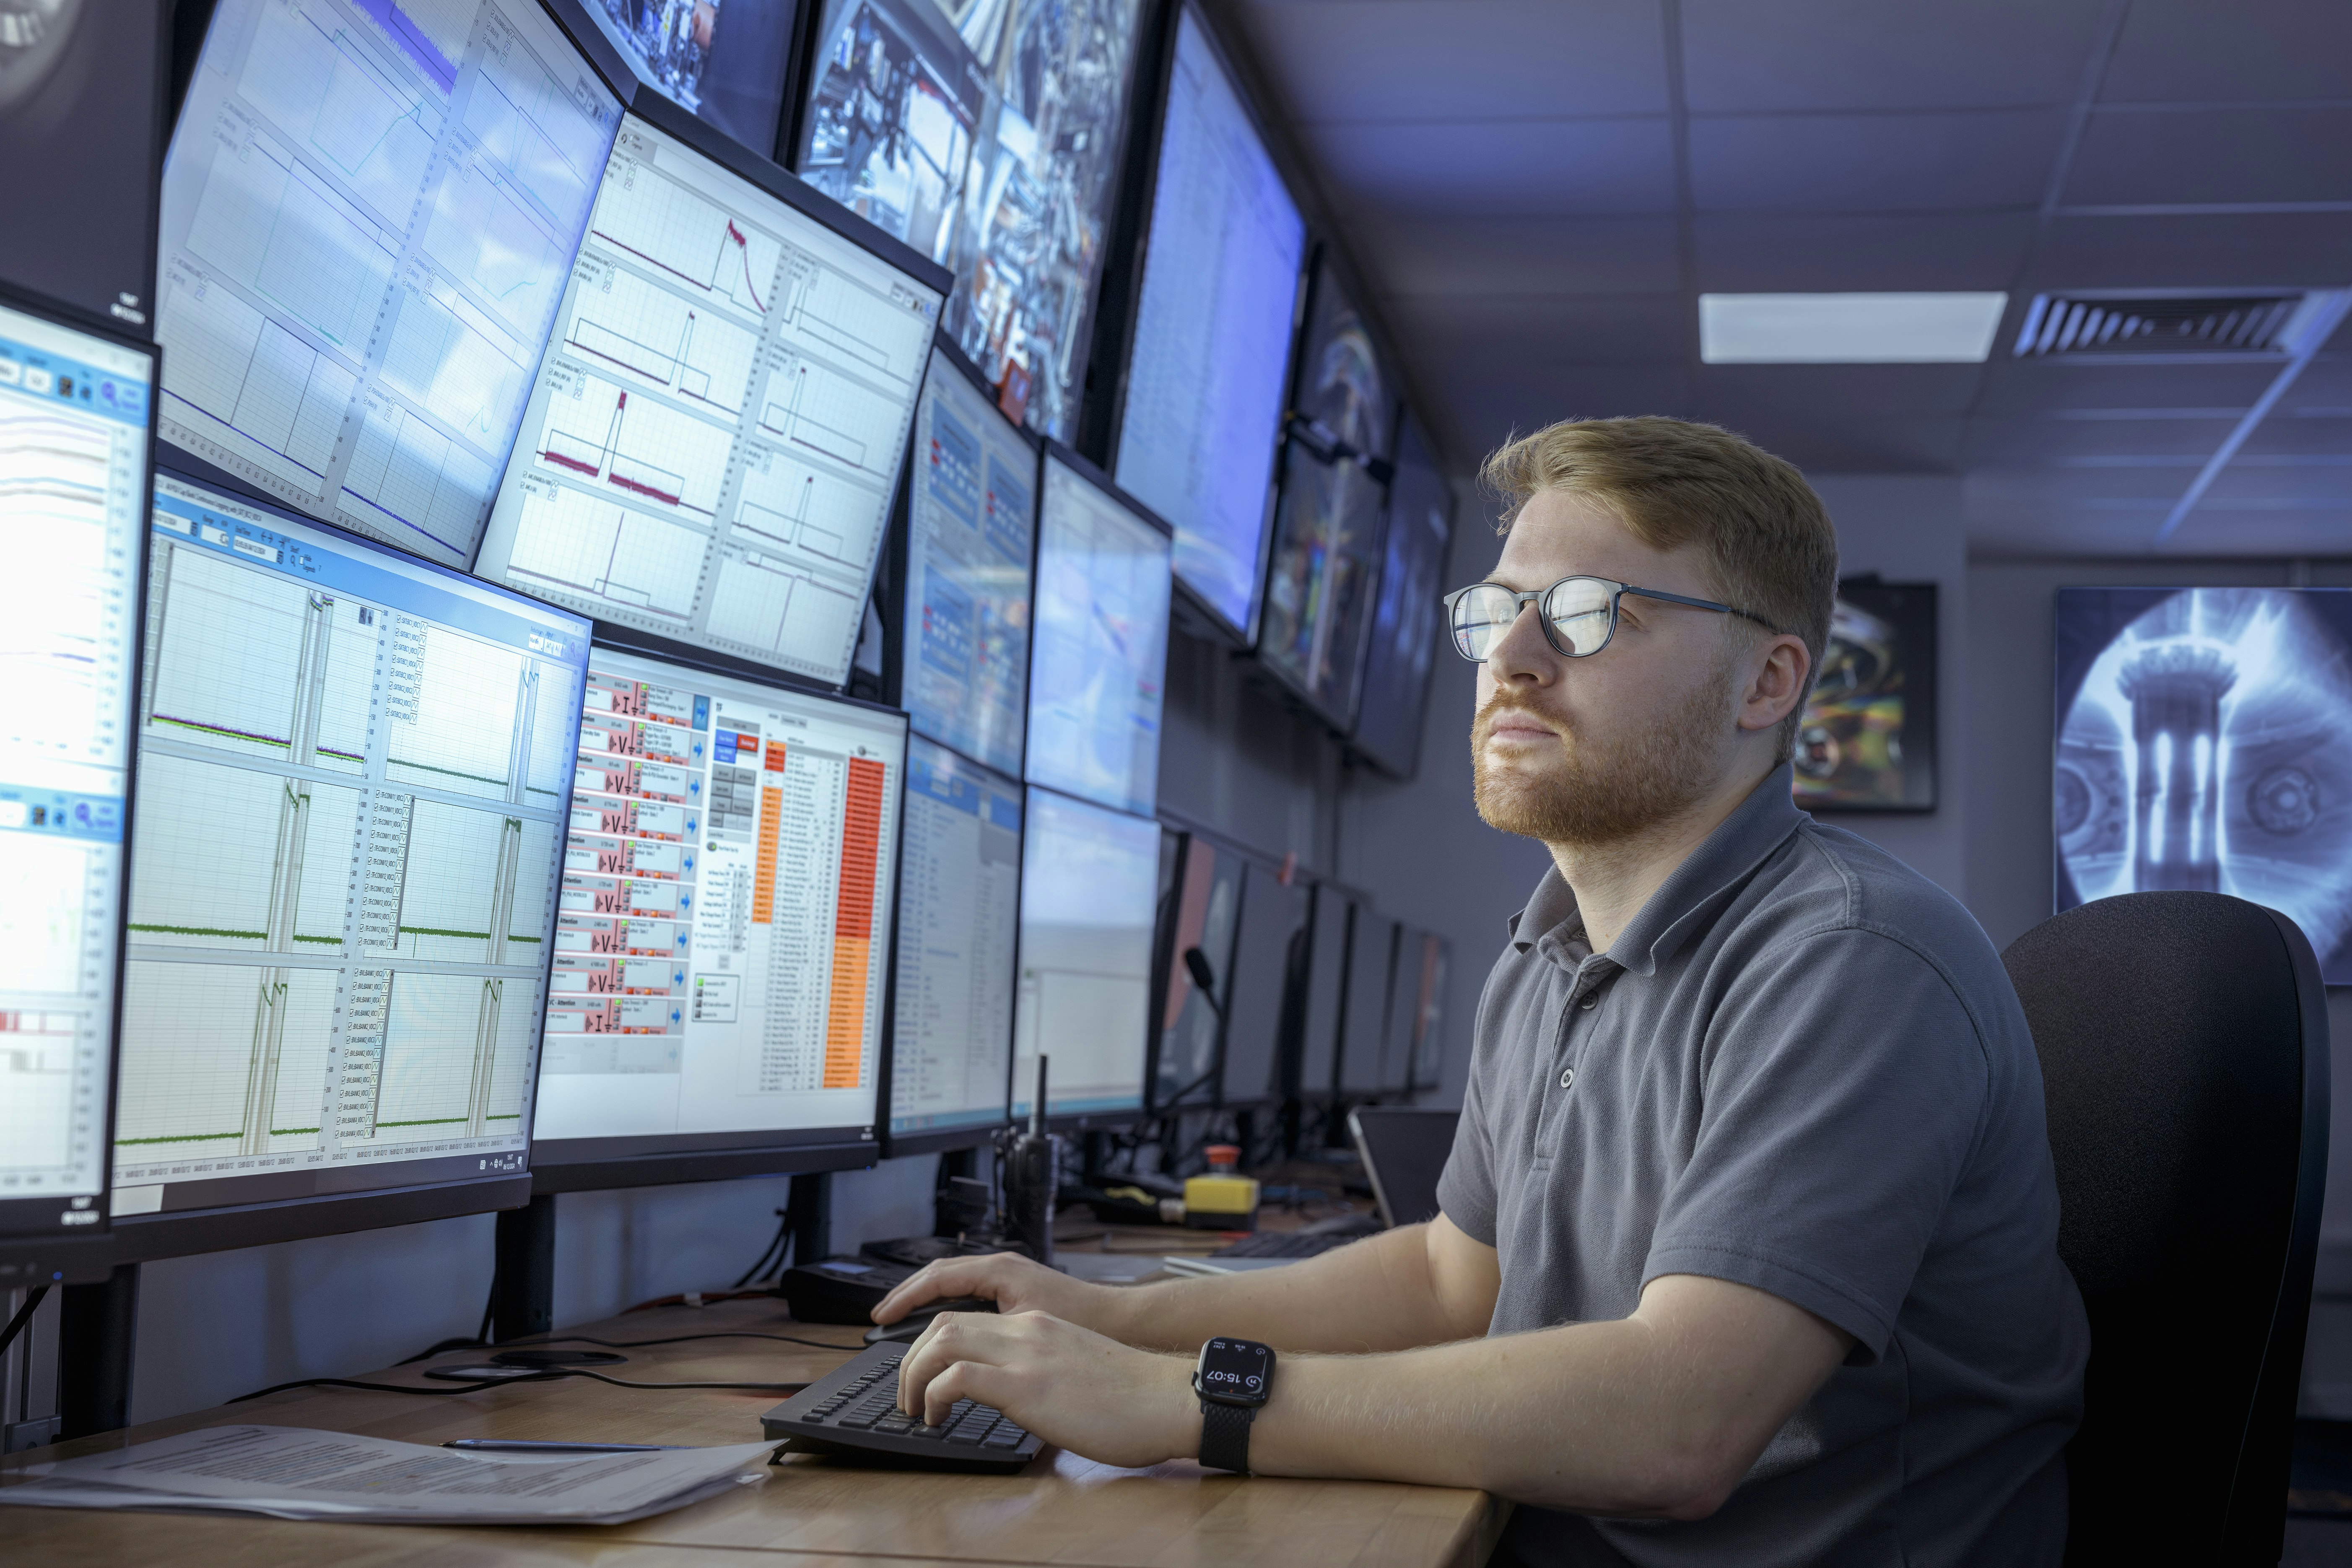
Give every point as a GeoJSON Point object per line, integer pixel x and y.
{"type": "Point", "coordinates": [1748, 1243]}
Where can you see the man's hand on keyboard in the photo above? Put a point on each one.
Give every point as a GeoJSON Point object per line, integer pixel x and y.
{"type": "Point", "coordinates": [1070, 1386]}
{"type": "Point", "coordinates": [1016, 1284]}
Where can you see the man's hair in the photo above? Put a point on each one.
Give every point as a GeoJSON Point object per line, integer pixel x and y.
{"type": "Point", "coordinates": [1760, 530]}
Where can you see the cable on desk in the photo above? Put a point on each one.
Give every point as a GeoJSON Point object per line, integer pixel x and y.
{"type": "Point", "coordinates": [548, 1377]}
{"type": "Point", "coordinates": [23, 1315]}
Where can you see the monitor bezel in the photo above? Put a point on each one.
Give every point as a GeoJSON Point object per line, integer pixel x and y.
{"type": "Point", "coordinates": [1352, 1085]}
{"type": "Point", "coordinates": [71, 1254]}
{"type": "Point", "coordinates": [1259, 864]}
{"type": "Point", "coordinates": [606, 61]}
{"type": "Point", "coordinates": [1164, 959]}
{"type": "Point", "coordinates": [1408, 426]}
{"type": "Point", "coordinates": [761, 1152]}
{"type": "Point", "coordinates": [1415, 1083]}
{"type": "Point", "coordinates": [1294, 1052]}
{"type": "Point", "coordinates": [970, 1135]}
{"type": "Point", "coordinates": [180, 1233]}
{"type": "Point", "coordinates": [1198, 617]}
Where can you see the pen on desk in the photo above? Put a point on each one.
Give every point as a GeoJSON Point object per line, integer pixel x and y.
{"type": "Point", "coordinates": [520, 1445]}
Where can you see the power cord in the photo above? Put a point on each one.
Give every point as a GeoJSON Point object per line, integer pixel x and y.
{"type": "Point", "coordinates": [548, 1377]}
{"type": "Point", "coordinates": [23, 1315]}
{"type": "Point", "coordinates": [778, 1249]}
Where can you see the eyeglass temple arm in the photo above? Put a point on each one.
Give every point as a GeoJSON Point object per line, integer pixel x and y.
{"type": "Point", "coordinates": [1701, 604]}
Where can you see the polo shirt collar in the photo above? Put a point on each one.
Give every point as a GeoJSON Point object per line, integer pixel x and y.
{"type": "Point", "coordinates": [1684, 902]}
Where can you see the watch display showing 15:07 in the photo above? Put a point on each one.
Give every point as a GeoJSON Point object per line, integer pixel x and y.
{"type": "Point", "coordinates": [1234, 1378]}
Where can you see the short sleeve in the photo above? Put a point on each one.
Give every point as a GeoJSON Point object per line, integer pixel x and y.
{"type": "Point", "coordinates": [1465, 1190]}
{"type": "Point", "coordinates": [1843, 1086]}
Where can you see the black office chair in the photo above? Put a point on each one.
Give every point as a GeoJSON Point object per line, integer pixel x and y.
{"type": "Point", "coordinates": [2184, 1055]}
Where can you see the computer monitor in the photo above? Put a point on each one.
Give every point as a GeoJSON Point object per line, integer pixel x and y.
{"type": "Point", "coordinates": [1272, 938]}
{"type": "Point", "coordinates": [972, 528]}
{"type": "Point", "coordinates": [82, 92]}
{"type": "Point", "coordinates": [1363, 1029]}
{"type": "Point", "coordinates": [717, 432]}
{"type": "Point", "coordinates": [1315, 1015]}
{"type": "Point", "coordinates": [355, 772]}
{"type": "Point", "coordinates": [990, 142]}
{"type": "Point", "coordinates": [370, 210]}
{"type": "Point", "coordinates": [1422, 966]}
{"type": "Point", "coordinates": [1088, 876]}
{"type": "Point", "coordinates": [1323, 579]}
{"type": "Point", "coordinates": [1200, 912]}
{"type": "Point", "coordinates": [75, 413]}
{"type": "Point", "coordinates": [722, 955]}
{"type": "Point", "coordinates": [1098, 653]}
{"type": "Point", "coordinates": [722, 63]}
{"type": "Point", "coordinates": [1406, 637]}
{"type": "Point", "coordinates": [1205, 375]}
{"type": "Point", "coordinates": [958, 931]}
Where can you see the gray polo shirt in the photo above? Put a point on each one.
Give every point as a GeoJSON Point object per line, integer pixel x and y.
{"type": "Point", "coordinates": [1802, 1068]}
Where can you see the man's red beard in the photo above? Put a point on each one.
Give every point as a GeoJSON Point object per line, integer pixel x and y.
{"type": "Point", "coordinates": [1592, 795]}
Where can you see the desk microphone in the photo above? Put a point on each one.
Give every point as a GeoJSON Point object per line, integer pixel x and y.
{"type": "Point", "coordinates": [1032, 1170]}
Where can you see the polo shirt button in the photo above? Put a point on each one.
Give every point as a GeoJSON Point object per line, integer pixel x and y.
{"type": "Point", "coordinates": [1568, 1078]}
{"type": "Point", "coordinates": [1592, 999]}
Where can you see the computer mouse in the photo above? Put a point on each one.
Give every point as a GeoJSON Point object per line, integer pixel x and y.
{"type": "Point", "coordinates": [907, 1330]}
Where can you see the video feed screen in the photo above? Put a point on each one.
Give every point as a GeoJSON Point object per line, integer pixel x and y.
{"type": "Point", "coordinates": [1420, 1006]}
{"type": "Point", "coordinates": [1406, 635]}
{"type": "Point", "coordinates": [370, 213]}
{"type": "Point", "coordinates": [722, 60]}
{"type": "Point", "coordinates": [1099, 669]}
{"type": "Point", "coordinates": [712, 447]}
{"type": "Point", "coordinates": [971, 518]}
{"type": "Point", "coordinates": [1327, 964]}
{"type": "Point", "coordinates": [1203, 913]}
{"type": "Point", "coordinates": [2205, 744]}
{"type": "Point", "coordinates": [722, 950]}
{"type": "Point", "coordinates": [1271, 940]}
{"type": "Point", "coordinates": [1363, 1044]}
{"type": "Point", "coordinates": [986, 134]}
{"type": "Point", "coordinates": [1323, 581]}
{"type": "Point", "coordinates": [1867, 741]}
{"type": "Point", "coordinates": [1206, 372]}
{"type": "Point", "coordinates": [1088, 880]}
{"type": "Point", "coordinates": [355, 771]}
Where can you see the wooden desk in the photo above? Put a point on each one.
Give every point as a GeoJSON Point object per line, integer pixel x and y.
{"type": "Point", "coordinates": [812, 1511]}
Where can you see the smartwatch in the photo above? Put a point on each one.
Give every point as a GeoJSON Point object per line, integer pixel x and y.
{"type": "Point", "coordinates": [1233, 1379]}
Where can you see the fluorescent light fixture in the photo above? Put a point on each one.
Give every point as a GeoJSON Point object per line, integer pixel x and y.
{"type": "Point", "coordinates": [1848, 329]}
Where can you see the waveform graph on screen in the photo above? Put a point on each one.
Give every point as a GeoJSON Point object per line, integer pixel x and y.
{"type": "Point", "coordinates": [461, 897]}
{"type": "Point", "coordinates": [37, 1052]}
{"type": "Point", "coordinates": [629, 329]}
{"type": "Point", "coordinates": [582, 547]}
{"type": "Point", "coordinates": [55, 477]}
{"type": "Point", "coordinates": [687, 241]}
{"type": "Point", "coordinates": [221, 1059]}
{"type": "Point", "coordinates": [533, 128]}
{"type": "Point", "coordinates": [410, 484]}
{"type": "Point", "coordinates": [42, 883]}
{"type": "Point", "coordinates": [482, 232]}
{"type": "Point", "coordinates": [649, 456]}
{"type": "Point", "coordinates": [819, 412]}
{"type": "Point", "coordinates": [251, 664]}
{"type": "Point", "coordinates": [456, 363]}
{"type": "Point", "coordinates": [231, 859]}
{"type": "Point", "coordinates": [879, 335]}
{"type": "Point", "coordinates": [332, 93]}
{"type": "Point", "coordinates": [239, 377]}
{"type": "Point", "coordinates": [786, 501]}
{"type": "Point", "coordinates": [444, 1037]}
{"type": "Point", "coordinates": [762, 602]}
{"type": "Point", "coordinates": [453, 709]}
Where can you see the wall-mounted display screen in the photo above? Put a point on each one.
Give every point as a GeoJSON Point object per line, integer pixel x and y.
{"type": "Point", "coordinates": [984, 133]}
{"type": "Point", "coordinates": [1867, 741]}
{"type": "Point", "coordinates": [972, 516]}
{"type": "Point", "coordinates": [2205, 744]}
{"type": "Point", "coordinates": [722, 60]}
{"type": "Point", "coordinates": [1419, 1010]}
{"type": "Point", "coordinates": [1201, 913]}
{"type": "Point", "coordinates": [1406, 635]}
{"type": "Point", "coordinates": [1271, 940]}
{"type": "Point", "coordinates": [712, 447]}
{"type": "Point", "coordinates": [1206, 371]}
{"type": "Point", "coordinates": [370, 211]}
{"type": "Point", "coordinates": [1088, 883]}
{"type": "Point", "coordinates": [1323, 581]}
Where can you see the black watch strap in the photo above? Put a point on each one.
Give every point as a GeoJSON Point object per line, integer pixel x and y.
{"type": "Point", "coordinates": [1224, 1435]}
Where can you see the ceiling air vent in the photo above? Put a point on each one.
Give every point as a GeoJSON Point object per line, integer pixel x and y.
{"type": "Point", "coordinates": [2245, 322]}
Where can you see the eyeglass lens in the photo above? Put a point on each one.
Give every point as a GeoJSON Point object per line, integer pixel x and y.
{"type": "Point", "coordinates": [1580, 611]}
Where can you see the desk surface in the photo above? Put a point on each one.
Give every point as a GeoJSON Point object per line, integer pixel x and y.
{"type": "Point", "coordinates": [1061, 1510]}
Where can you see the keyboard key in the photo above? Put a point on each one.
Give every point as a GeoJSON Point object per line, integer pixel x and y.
{"type": "Point", "coordinates": [934, 1433]}
{"type": "Point", "coordinates": [895, 1425]}
{"type": "Point", "coordinates": [857, 1419]}
{"type": "Point", "coordinates": [971, 1428]}
{"type": "Point", "coordinates": [817, 1415]}
{"type": "Point", "coordinates": [1006, 1435]}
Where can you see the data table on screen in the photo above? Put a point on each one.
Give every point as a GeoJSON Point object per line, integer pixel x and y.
{"type": "Point", "coordinates": [720, 950]}
{"type": "Point", "coordinates": [710, 450]}
{"type": "Point", "coordinates": [1205, 371]}
{"type": "Point", "coordinates": [353, 776]}
{"type": "Point", "coordinates": [958, 920]}
{"type": "Point", "coordinates": [971, 518]}
{"type": "Point", "coordinates": [1097, 668]}
{"type": "Point", "coordinates": [73, 482]}
{"type": "Point", "coordinates": [1089, 884]}
{"type": "Point", "coordinates": [370, 211]}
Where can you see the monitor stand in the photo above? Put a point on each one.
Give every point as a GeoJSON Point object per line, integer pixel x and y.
{"type": "Point", "coordinates": [97, 1332]}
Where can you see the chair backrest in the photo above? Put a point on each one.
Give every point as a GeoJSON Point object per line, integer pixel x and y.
{"type": "Point", "coordinates": [2183, 1039]}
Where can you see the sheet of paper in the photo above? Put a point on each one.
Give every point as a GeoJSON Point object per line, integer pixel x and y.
{"type": "Point", "coordinates": [294, 1472]}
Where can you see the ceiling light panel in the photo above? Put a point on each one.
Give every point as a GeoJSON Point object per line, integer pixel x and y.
{"type": "Point", "coordinates": [1848, 329]}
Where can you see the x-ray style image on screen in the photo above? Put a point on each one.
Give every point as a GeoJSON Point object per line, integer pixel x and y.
{"type": "Point", "coordinates": [720, 59]}
{"type": "Point", "coordinates": [1867, 741]}
{"type": "Point", "coordinates": [984, 133]}
{"type": "Point", "coordinates": [2205, 744]}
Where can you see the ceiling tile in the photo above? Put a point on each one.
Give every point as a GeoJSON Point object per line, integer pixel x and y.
{"type": "Point", "coordinates": [1548, 168]}
{"type": "Point", "coordinates": [1587, 330]}
{"type": "Point", "coordinates": [1494, 404]}
{"type": "Point", "coordinates": [2258, 484]}
{"type": "Point", "coordinates": [2214, 155]}
{"type": "Point", "coordinates": [2213, 250]}
{"type": "Point", "coordinates": [2044, 442]}
{"type": "Point", "coordinates": [1769, 253]}
{"type": "Point", "coordinates": [1841, 391]}
{"type": "Point", "coordinates": [2219, 531]}
{"type": "Point", "coordinates": [2048, 531]}
{"type": "Point", "coordinates": [2030, 386]}
{"type": "Point", "coordinates": [1874, 163]}
{"type": "Point", "coordinates": [2284, 435]}
{"type": "Point", "coordinates": [1516, 256]}
{"type": "Point", "coordinates": [1868, 54]}
{"type": "Point", "coordinates": [1381, 62]}
{"type": "Point", "coordinates": [1828, 446]}
{"type": "Point", "coordinates": [2199, 50]}
{"type": "Point", "coordinates": [2325, 383]}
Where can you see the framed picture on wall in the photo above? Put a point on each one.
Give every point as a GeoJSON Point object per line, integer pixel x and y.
{"type": "Point", "coordinates": [1867, 741]}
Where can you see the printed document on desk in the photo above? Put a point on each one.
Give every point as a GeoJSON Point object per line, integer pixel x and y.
{"type": "Point", "coordinates": [294, 1472]}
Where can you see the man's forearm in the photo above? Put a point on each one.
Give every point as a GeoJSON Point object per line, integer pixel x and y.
{"type": "Point", "coordinates": [1374, 1295]}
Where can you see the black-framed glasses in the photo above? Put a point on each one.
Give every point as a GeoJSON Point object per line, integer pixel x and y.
{"type": "Point", "coordinates": [1579, 614]}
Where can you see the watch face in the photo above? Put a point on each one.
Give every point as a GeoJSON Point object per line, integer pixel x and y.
{"type": "Point", "coordinates": [1238, 1371]}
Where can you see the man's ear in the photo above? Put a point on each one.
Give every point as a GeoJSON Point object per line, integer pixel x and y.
{"type": "Point", "coordinates": [1777, 672]}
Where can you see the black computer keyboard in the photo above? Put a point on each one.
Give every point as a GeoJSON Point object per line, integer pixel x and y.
{"type": "Point", "coordinates": [1312, 1242]}
{"type": "Point", "coordinates": [853, 1411]}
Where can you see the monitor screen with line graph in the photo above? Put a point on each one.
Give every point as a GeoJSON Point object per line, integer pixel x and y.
{"type": "Point", "coordinates": [75, 410]}
{"type": "Point", "coordinates": [1089, 891]}
{"type": "Point", "coordinates": [714, 444]}
{"type": "Point", "coordinates": [355, 769]}
{"type": "Point", "coordinates": [370, 208]}
{"type": "Point", "coordinates": [722, 948]}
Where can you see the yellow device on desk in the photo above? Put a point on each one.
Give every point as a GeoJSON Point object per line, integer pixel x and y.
{"type": "Point", "coordinates": [1224, 1199]}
